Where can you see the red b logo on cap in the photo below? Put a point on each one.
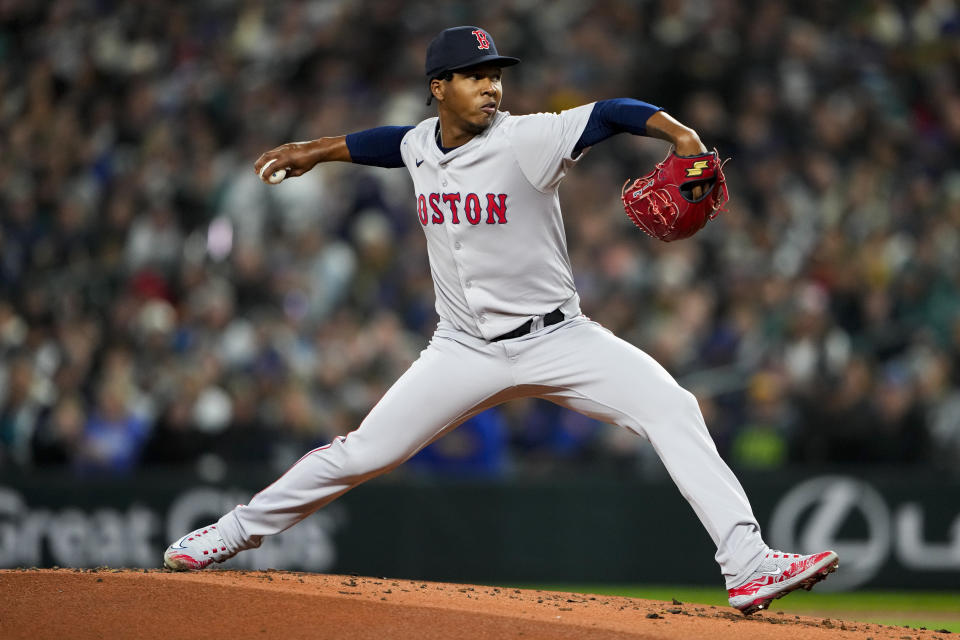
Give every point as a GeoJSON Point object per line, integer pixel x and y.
{"type": "Point", "coordinates": [481, 39]}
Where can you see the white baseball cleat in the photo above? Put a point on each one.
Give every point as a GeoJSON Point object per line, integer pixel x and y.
{"type": "Point", "coordinates": [196, 550]}
{"type": "Point", "coordinates": [779, 574]}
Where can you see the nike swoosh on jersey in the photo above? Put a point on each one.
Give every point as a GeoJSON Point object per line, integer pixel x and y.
{"type": "Point", "coordinates": [419, 162]}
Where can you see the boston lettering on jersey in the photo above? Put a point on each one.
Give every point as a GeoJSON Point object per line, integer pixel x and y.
{"type": "Point", "coordinates": [437, 208]}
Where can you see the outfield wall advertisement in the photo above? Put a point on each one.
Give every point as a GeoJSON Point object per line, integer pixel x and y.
{"type": "Point", "coordinates": [891, 531]}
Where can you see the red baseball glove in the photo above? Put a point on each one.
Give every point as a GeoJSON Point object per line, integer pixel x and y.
{"type": "Point", "coordinates": [661, 203]}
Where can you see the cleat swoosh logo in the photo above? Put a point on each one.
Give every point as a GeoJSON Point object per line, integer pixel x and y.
{"type": "Point", "coordinates": [179, 543]}
{"type": "Point", "coordinates": [773, 573]}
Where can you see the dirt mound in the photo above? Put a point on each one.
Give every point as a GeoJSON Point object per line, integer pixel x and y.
{"type": "Point", "coordinates": [128, 603]}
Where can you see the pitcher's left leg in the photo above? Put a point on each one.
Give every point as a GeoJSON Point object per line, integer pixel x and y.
{"type": "Point", "coordinates": [606, 378]}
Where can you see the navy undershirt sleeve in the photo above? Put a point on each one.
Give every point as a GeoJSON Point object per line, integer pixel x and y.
{"type": "Point", "coordinates": [377, 147]}
{"type": "Point", "coordinates": [610, 117]}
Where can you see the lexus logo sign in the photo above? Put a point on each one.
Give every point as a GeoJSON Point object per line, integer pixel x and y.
{"type": "Point", "coordinates": [809, 518]}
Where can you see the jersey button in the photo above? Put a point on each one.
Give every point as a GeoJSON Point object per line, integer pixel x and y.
{"type": "Point", "coordinates": [469, 284]}
{"type": "Point", "coordinates": [457, 245]}
{"type": "Point", "coordinates": [483, 319]}
{"type": "Point", "coordinates": [444, 183]}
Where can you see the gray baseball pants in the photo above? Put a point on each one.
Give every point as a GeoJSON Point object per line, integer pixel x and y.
{"type": "Point", "coordinates": [577, 364]}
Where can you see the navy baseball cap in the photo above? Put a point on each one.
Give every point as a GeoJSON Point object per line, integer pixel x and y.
{"type": "Point", "coordinates": [462, 47]}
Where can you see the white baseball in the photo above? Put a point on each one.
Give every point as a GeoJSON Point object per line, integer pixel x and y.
{"type": "Point", "coordinates": [277, 176]}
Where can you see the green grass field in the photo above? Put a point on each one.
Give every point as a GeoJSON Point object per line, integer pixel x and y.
{"type": "Point", "coordinates": [931, 609]}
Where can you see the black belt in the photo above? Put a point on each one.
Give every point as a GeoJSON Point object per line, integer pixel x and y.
{"type": "Point", "coordinates": [553, 317]}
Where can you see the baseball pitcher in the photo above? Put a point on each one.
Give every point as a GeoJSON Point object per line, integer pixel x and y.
{"type": "Point", "coordinates": [510, 324]}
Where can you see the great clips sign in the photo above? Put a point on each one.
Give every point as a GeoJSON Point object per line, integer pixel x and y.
{"type": "Point", "coordinates": [896, 530]}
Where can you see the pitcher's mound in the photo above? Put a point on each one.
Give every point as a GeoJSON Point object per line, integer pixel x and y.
{"type": "Point", "coordinates": [75, 604]}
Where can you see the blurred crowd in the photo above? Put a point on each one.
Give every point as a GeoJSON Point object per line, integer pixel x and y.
{"type": "Point", "coordinates": [160, 305]}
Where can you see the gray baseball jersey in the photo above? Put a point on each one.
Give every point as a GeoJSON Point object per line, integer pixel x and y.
{"type": "Point", "coordinates": [491, 215]}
